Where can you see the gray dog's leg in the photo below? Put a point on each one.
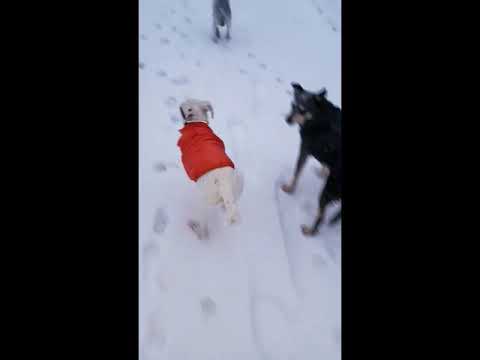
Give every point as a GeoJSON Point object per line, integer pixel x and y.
{"type": "Point", "coordinates": [229, 26]}
{"type": "Point", "coordinates": [216, 32]}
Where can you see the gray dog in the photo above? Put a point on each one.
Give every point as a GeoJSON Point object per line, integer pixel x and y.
{"type": "Point", "coordinates": [222, 16]}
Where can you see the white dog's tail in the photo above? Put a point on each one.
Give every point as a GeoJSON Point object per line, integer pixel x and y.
{"type": "Point", "coordinates": [238, 184]}
{"type": "Point", "coordinates": [206, 106]}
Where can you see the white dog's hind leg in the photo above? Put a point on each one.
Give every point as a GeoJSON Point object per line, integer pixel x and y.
{"type": "Point", "coordinates": [238, 184]}
{"type": "Point", "coordinates": [226, 192]}
{"type": "Point", "coordinates": [199, 222]}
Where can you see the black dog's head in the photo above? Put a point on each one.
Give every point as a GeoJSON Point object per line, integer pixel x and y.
{"type": "Point", "coordinates": [306, 105]}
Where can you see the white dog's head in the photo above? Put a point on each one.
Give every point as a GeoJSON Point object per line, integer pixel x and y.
{"type": "Point", "coordinates": [193, 110]}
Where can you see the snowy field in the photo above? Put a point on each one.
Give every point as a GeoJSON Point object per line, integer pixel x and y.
{"type": "Point", "coordinates": [260, 289]}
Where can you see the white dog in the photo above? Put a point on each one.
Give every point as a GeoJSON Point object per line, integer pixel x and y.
{"type": "Point", "coordinates": [206, 162]}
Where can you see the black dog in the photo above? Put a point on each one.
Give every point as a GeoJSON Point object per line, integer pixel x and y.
{"type": "Point", "coordinates": [321, 137]}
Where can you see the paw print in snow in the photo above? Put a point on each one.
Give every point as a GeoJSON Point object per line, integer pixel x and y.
{"type": "Point", "coordinates": [161, 73]}
{"type": "Point", "coordinates": [164, 41]}
{"type": "Point", "coordinates": [160, 221]}
{"type": "Point", "coordinates": [208, 306]}
{"type": "Point", "coordinates": [160, 167]}
{"type": "Point", "coordinates": [171, 102]}
{"type": "Point", "coordinates": [180, 80]}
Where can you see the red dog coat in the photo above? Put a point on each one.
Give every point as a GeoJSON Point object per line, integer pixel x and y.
{"type": "Point", "coordinates": [202, 150]}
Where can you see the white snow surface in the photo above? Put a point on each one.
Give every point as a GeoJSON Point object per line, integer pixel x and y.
{"type": "Point", "coordinates": [259, 289]}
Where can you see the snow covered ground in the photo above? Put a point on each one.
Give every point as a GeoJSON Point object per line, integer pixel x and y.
{"type": "Point", "coordinates": [259, 290]}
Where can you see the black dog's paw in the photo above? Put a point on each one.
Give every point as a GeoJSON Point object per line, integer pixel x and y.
{"type": "Point", "coordinates": [334, 221]}
{"type": "Point", "coordinates": [308, 231]}
{"type": "Point", "coordinates": [288, 188]}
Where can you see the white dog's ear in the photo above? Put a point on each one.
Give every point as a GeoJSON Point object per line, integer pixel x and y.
{"type": "Point", "coordinates": [207, 106]}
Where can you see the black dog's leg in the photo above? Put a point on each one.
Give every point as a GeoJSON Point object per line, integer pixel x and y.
{"type": "Point", "coordinates": [336, 218]}
{"type": "Point", "coordinates": [302, 158]}
{"type": "Point", "coordinates": [306, 230]}
{"type": "Point", "coordinates": [326, 197]}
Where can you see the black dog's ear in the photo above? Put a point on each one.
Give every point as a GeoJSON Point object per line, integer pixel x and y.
{"type": "Point", "coordinates": [297, 86]}
{"type": "Point", "coordinates": [322, 94]}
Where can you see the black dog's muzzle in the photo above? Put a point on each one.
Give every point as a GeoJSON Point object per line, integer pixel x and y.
{"type": "Point", "coordinates": [296, 110]}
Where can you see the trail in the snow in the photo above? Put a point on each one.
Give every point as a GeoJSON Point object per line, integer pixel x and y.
{"type": "Point", "coordinates": [237, 136]}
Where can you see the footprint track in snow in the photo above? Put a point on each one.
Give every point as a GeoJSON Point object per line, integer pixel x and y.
{"type": "Point", "coordinates": [156, 336]}
{"type": "Point", "coordinates": [208, 306]}
{"type": "Point", "coordinates": [160, 221]}
{"type": "Point", "coordinates": [320, 11]}
{"type": "Point", "coordinates": [180, 80]}
{"type": "Point", "coordinates": [159, 167]}
{"type": "Point", "coordinates": [162, 73]}
{"type": "Point", "coordinates": [171, 102]}
{"type": "Point", "coordinates": [260, 307]}
{"type": "Point", "coordinates": [332, 25]}
{"type": "Point", "coordinates": [160, 282]}
{"type": "Point", "coordinates": [164, 41]}
{"type": "Point", "coordinates": [262, 66]}
{"type": "Point", "coordinates": [164, 166]}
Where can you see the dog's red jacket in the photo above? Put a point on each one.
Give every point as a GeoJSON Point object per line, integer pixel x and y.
{"type": "Point", "coordinates": [202, 150]}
